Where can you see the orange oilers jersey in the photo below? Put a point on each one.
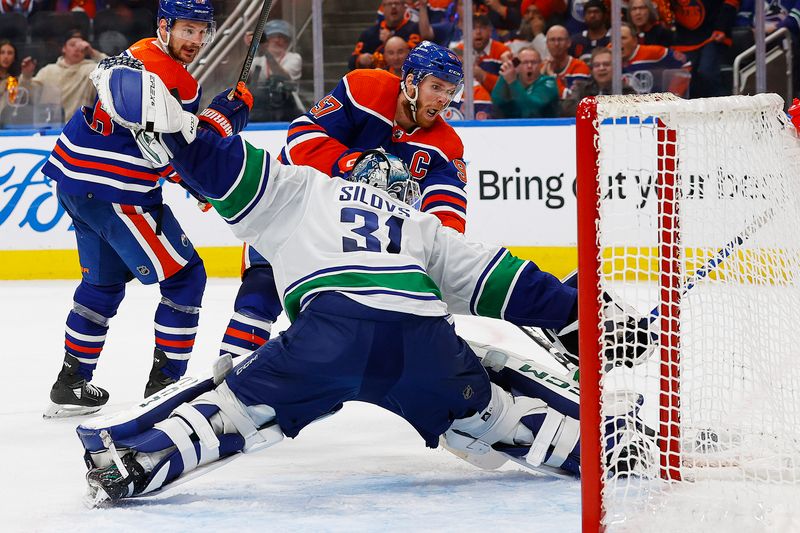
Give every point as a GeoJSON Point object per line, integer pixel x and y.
{"type": "Point", "coordinates": [173, 73]}
{"type": "Point", "coordinates": [359, 115]}
{"type": "Point", "coordinates": [575, 70]}
{"type": "Point", "coordinates": [489, 60]}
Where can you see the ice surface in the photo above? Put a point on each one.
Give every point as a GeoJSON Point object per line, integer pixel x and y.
{"type": "Point", "coordinates": [363, 469]}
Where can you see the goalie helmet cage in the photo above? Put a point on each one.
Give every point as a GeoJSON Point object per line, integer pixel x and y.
{"type": "Point", "coordinates": [689, 212]}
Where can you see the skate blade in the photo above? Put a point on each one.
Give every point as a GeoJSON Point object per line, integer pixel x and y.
{"type": "Point", "coordinates": [65, 411]}
{"type": "Point", "coordinates": [95, 497]}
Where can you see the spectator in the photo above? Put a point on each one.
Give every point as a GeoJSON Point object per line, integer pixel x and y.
{"type": "Point", "coordinates": [777, 14]}
{"type": "Point", "coordinates": [531, 32]}
{"type": "Point", "coordinates": [565, 68]}
{"type": "Point", "coordinates": [17, 6]}
{"type": "Point", "coordinates": [595, 35]}
{"type": "Point", "coordinates": [703, 35]}
{"type": "Point", "coordinates": [394, 54]}
{"type": "Point", "coordinates": [645, 64]}
{"type": "Point", "coordinates": [87, 6]}
{"type": "Point", "coordinates": [644, 16]}
{"type": "Point", "coordinates": [437, 10]}
{"type": "Point", "coordinates": [600, 82]}
{"type": "Point", "coordinates": [276, 60]}
{"type": "Point", "coordinates": [65, 82]}
{"type": "Point", "coordinates": [573, 16]}
{"type": "Point", "coordinates": [10, 92]}
{"type": "Point", "coordinates": [275, 72]}
{"type": "Point", "coordinates": [8, 60]}
{"type": "Point", "coordinates": [504, 15]}
{"type": "Point", "coordinates": [488, 52]}
{"type": "Point", "coordinates": [448, 31]}
{"type": "Point", "coordinates": [481, 100]}
{"type": "Point", "coordinates": [548, 8]}
{"type": "Point", "coordinates": [522, 90]}
{"type": "Point", "coordinates": [396, 22]}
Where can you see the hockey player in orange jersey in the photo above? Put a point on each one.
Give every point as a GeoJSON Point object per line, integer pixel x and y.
{"type": "Point", "coordinates": [368, 109]}
{"type": "Point", "coordinates": [123, 228]}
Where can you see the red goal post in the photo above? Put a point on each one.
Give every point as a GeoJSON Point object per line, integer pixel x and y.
{"type": "Point", "coordinates": [689, 213]}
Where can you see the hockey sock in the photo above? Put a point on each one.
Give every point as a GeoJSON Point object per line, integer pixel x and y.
{"type": "Point", "coordinates": [245, 333]}
{"type": "Point", "coordinates": [256, 307]}
{"type": "Point", "coordinates": [177, 316]}
{"type": "Point", "coordinates": [87, 323]}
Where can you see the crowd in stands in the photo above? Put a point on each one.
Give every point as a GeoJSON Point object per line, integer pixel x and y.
{"type": "Point", "coordinates": [538, 58]}
{"type": "Point", "coordinates": [532, 58]}
{"type": "Point", "coordinates": [49, 47]}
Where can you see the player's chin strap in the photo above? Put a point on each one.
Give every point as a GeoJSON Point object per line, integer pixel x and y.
{"type": "Point", "coordinates": [412, 102]}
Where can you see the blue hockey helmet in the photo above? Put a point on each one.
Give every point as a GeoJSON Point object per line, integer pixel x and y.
{"type": "Point", "coordinates": [388, 173]}
{"type": "Point", "coordinates": [195, 10]}
{"type": "Point", "coordinates": [430, 58]}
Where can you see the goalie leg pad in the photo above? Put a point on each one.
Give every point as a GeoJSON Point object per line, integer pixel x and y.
{"type": "Point", "coordinates": [519, 426]}
{"type": "Point", "coordinates": [212, 427]}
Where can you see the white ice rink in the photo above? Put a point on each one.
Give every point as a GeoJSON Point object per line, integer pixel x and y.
{"type": "Point", "coordinates": [363, 469]}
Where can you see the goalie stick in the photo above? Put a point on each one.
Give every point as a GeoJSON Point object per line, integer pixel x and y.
{"type": "Point", "coordinates": [721, 255]}
{"type": "Point", "coordinates": [251, 52]}
{"type": "Point", "coordinates": [710, 265]}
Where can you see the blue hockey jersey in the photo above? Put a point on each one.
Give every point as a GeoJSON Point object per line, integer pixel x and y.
{"type": "Point", "coordinates": [94, 156]}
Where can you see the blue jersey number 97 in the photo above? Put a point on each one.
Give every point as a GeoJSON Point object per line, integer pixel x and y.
{"type": "Point", "coordinates": [370, 223]}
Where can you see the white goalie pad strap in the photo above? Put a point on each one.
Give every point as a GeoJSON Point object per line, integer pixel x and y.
{"type": "Point", "coordinates": [178, 431]}
{"type": "Point", "coordinates": [497, 422]}
{"type": "Point", "coordinates": [565, 442]}
{"type": "Point", "coordinates": [199, 424]}
{"type": "Point", "coordinates": [235, 413]}
{"type": "Point", "coordinates": [545, 437]}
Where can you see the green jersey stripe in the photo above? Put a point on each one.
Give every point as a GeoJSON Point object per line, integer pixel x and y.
{"type": "Point", "coordinates": [402, 282]}
{"type": "Point", "coordinates": [246, 187]}
{"type": "Point", "coordinates": [497, 286]}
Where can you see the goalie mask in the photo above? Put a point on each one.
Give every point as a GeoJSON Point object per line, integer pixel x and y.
{"type": "Point", "coordinates": [388, 173]}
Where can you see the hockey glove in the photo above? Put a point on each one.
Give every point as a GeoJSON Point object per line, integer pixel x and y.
{"type": "Point", "coordinates": [627, 336]}
{"type": "Point", "coordinates": [628, 339]}
{"type": "Point", "coordinates": [228, 117]}
{"type": "Point", "coordinates": [343, 166]}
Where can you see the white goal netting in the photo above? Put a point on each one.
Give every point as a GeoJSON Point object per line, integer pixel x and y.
{"type": "Point", "coordinates": [699, 230]}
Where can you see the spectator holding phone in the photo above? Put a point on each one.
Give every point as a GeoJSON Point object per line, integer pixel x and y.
{"type": "Point", "coordinates": [522, 91]}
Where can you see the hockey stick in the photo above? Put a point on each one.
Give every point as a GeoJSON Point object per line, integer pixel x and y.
{"type": "Point", "coordinates": [721, 255]}
{"type": "Point", "coordinates": [254, 44]}
{"type": "Point", "coordinates": [534, 334]}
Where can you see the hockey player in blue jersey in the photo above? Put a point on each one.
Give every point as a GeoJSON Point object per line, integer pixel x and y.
{"type": "Point", "coordinates": [368, 109]}
{"type": "Point", "coordinates": [122, 227]}
{"type": "Point", "coordinates": [368, 283]}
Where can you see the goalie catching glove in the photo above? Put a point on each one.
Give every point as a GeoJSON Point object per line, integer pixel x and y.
{"type": "Point", "coordinates": [628, 339]}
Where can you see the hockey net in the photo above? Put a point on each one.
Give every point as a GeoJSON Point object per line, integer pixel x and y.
{"type": "Point", "coordinates": [689, 213]}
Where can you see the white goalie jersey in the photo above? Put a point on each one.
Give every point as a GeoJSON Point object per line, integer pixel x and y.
{"type": "Point", "coordinates": [325, 234]}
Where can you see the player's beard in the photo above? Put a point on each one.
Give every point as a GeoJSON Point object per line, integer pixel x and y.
{"type": "Point", "coordinates": [183, 51]}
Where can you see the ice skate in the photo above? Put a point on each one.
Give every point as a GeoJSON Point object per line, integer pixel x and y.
{"type": "Point", "coordinates": [110, 483]}
{"type": "Point", "coordinates": [72, 395]}
{"type": "Point", "coordinates": [157, 380]}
